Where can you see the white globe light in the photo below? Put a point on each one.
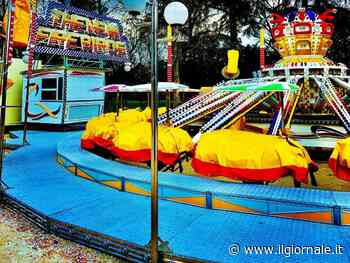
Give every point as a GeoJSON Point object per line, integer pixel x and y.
{"type": "Point", "coordinates": [176, 13]}
{"type": "Point", "coordinates": [127, 67]}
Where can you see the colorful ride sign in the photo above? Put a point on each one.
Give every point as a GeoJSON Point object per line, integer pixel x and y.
{"type": "Point", "coordinates": [70, 31]}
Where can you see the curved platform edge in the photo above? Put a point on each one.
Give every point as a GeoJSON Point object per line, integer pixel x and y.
{"type": "Point", "coordinates": [121, 249]}
{"type": "Point", "coordinates": [136, 180]}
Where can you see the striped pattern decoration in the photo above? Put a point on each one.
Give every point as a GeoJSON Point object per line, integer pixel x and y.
{"type": "Point", "coordinates": [192, 105]}
{"type": "Point", "coordinates": [277, 120]}
{"type": "Point", "coordinates": [80, 54]}
{"type": "Point", "coordinates": [170, 63]}
{"type": "Point", "coordinates": [234, 110]}
{"type": "Point", "coordinates": [262, 48]}
{"type": "Point", "coordinates": [170, 54]}
{"type": "Point", "coordinates": [78, 11]}
{"type": "Point", "coordinates": [32, 43]}
{"type": "Point", "coordinates": [274, 126]}
{"type": "Point", "coordinates": [10, 40]}
{"type": "Point", "coordinates": [209, 105]}
{"type": "Point", "coordinates": [337, 105]}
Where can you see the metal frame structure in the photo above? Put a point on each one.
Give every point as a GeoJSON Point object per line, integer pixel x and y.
{"type": "Point", "coordinates": [154, 141]}
{"type": "Point", "coordinates": [6, 60]}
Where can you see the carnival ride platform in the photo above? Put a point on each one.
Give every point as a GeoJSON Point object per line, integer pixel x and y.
{"type": "Point", "coordinates": [83, 210]}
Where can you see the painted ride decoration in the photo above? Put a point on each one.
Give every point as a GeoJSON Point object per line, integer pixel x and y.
{"type": "Point", "coordinates": [63, 95]}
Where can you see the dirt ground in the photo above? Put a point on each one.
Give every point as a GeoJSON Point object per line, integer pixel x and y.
{"type": "Point", "coordinates": [22, 242]}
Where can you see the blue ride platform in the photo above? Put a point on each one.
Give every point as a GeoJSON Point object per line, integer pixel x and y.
{"type": "Point", "coordinates": [38, 181]}
{"type": "Point", "coordinates": [299, 203]}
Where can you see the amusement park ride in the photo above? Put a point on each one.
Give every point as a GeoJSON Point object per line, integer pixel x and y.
{"type": "Point", "coordinates": [302, 37]}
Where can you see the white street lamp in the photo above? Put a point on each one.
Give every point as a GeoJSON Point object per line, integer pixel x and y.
{"type": "Point", "coordinates": [176, 13]}
{"type": "Point", "coordinates": [127, 66]}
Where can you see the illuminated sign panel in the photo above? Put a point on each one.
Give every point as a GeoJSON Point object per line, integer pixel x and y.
{"type": "Point", "coordinates": [75, 32]}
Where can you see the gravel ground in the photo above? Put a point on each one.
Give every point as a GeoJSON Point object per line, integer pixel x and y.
{"type": "Point", "coordinates": [22, 242]}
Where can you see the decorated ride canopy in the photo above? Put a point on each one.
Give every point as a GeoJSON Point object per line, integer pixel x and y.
{"type": "Point", "coordinates": [74, 32]}
{"type": "Point", "coordinates": [303, 32]}
{"type": "Point", "coordinates": [303, 38]}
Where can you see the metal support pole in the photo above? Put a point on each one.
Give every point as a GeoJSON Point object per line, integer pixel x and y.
{"type": "Point", "coordinates": [31, 44]}
{"type": "Point", "coordinates": [5, 49]}
{"type": "Point", "coordinates": [168, 106]}
{"type": "Point", "coordinates": [65, 74]}
{"type": "Point", "coordinates": [118, 103]}
{"type": "Point", "coordinates": [280, 129]}
{"type": "Point", "coordinates": [26, 109]}
{"type": "Point", "coordinates": [154, 150]}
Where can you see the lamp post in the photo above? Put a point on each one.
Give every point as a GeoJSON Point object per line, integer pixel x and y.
{"type": "Point", "coordinates": [175, 13]}
{"type": "Point", "coordinates": [154, 143]}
